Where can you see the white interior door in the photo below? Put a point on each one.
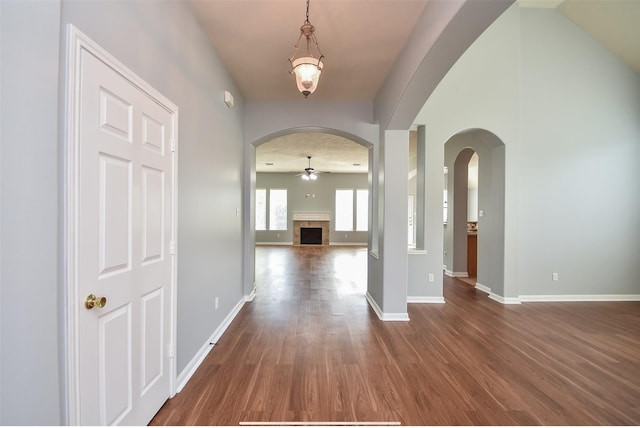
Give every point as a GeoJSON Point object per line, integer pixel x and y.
{"type": "Point", "coordinates": [125, 240]}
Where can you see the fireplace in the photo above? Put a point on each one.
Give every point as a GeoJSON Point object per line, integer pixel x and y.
{"type": "Point", "coordinates": [314, 225]}
{"type": "Point", "coordinates": [310, 236]}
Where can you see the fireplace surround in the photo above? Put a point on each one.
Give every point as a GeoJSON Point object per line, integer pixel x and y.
{"type": "Point", "coordinates": [311, 220]}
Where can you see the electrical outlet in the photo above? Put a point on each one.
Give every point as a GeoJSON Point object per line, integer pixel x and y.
{"type": "Point", "coordinates": [431, 277]}
{"type": "Point", "coordinates": [554, 276]}
{"type": "Point", "coordinates": [217, 302]}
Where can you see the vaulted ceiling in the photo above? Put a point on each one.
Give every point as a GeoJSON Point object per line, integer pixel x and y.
{"type": "Point", "coordinates": [361, 40]}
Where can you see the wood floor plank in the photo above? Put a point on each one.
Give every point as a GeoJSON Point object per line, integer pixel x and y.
{"type": "Point", "coordinates": [310, 349]}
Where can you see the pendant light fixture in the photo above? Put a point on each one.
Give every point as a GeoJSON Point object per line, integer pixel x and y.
{"type": "Point", "coordinates": [307, 68]}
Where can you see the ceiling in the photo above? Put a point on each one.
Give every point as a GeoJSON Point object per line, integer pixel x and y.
{"type": "Point", "coordinates": [329, 153]}
{"type": "Point", "coordinates": [361, 40]}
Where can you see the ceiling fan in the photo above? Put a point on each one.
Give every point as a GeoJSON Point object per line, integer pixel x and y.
{"type": "Point", "coordinates": [309, 172]}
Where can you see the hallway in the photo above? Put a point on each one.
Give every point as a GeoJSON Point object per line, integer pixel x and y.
{"type": "Point", "coordinates": [309, 348]}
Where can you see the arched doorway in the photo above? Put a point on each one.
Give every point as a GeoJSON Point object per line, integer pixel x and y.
{"type": "Point", "coordinates": [459, 150]}
{"type": "Point", "coordinates": [465, 215]}
{"type": "Point", "coordinates": [250, 197]}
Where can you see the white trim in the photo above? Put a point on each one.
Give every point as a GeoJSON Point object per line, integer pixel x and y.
{"type": "Point", "coordinates": [374, 305]}
{"type": "Point", "coordinates": [505, 300]}
{"type": "Point", "coordinates": [483, 288]}
{"type": "Point", "coordinates": [456, 274]}
{"type": "Point", "coordinates": [414, 251]}
{"type": "Point", "coordinates": [580, 298]}
{"type": "Point", "coordinates": [374, 254]}
{"type": "Point", "coordinates": [76, 43]}
{"type": "Point", "coordinates": [425, 299]}
{"type": "Point", "coordinates": [252, 295]}
{"type": "Point", "coordinates": [195, 362]}
{"type": "Point", "coordinates": [386, 316]}
{"type": "Point", "coordinates": [348, 244]}
{"type": "Point", "coordinates": [395, 316]}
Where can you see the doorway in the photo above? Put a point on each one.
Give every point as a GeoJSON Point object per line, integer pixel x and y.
{"type": "Point", "coordinates": [120, 234]}
{"type": "Point", "coordinates": [476, 209]}
{"type": "Point", "coordinates": [308, 197]}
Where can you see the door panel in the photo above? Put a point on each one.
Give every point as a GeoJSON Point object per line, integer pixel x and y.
{"type": "Point", "coordinates": [153, 190]}
{"type": "Point", "coordinates": [115, 365]}
{"type": "Point", "coordinates": [152, 343]}
{"type": "Point", "coordinates": [125, 226]}
{"type": "Point", "coordinates": [114, 214]}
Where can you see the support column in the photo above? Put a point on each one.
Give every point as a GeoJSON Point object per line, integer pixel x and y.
{"type": "Point", "coordinates": [394, 153]}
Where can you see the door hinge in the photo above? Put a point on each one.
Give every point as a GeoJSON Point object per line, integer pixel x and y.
{"type": "Point", "coordinates": [172, 248]}
{"type": "Point", "coordinates": [173, 145]}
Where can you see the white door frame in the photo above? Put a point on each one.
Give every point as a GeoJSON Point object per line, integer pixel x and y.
{"type": "Point", "coordinates": [76, 43]}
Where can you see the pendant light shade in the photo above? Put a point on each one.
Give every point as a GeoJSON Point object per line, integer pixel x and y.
{"type": "Point", "coordinates": [307, 69]}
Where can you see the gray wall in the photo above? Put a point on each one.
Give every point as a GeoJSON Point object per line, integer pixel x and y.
{"type": "Point", "coordinates": [163, 44]}
{"type": "Point", "coordinates": [29, 198]}
{"type": "Point", "coordinates": [567, 111]}
{"type": "Point", "coordinates": [210, 152]}
{"type": "Point", "coordinates": [579, 176]}
{"type": "Point", "coordinates": [316, 195]}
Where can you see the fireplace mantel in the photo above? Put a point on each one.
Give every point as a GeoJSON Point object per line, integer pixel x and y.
{"type": "Point", "coordinates": [311, 216]}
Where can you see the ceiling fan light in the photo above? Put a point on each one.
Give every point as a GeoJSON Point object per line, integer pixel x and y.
{"type": "Point", "coordinates": [305, 177]}
{"type": "Point", "coordinates": [313, 177]}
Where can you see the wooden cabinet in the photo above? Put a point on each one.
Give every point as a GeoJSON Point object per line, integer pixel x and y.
{"type": "Point", "coordinates": [472, 254]}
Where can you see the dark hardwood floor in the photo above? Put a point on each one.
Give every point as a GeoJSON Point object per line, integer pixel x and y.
{"type": "Point", "coordinates": [309, 348]}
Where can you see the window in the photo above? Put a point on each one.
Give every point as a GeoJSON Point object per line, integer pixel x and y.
{"type": "Point", "coordinates": [261, 209]}
{"type": "Point", "coordinates": [362, 210]}
{"type": "Point", "coordinates": [344, 209]}
{"type": "Point", "coordinates": [277, 209]}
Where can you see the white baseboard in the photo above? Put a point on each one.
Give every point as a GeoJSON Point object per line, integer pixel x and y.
{"type": "Point", "coordinates": [456, 274]}
{"type": "Point", "coordinates": [483, 288]}
{"type": "Point", "coordinates": [195, 362]}
{"type": "Point", "coordinates": [581, 298]}
{"type": "Point", "coordinates": [385, 316]}
{"type": "Point", "coordinates": [348, 244]}
{"type": "Point", "coordinates": [559, 297]}
{"type": "Point", "coordinates": [252, 295]}
{"type": "Point", "coordinates": [425, 299]}
{"type": "Point", "coordinates": [505, 300]}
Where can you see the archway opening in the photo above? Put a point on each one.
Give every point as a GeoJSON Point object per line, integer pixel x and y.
{"type": "Point", "coordinates": [465, 215]}
{"type": "Point", "coordinates": [474, 231]}
{"type": "Point", "coordinates": [342, 162]}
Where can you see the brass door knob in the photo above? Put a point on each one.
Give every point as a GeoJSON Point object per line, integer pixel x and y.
{"type": "Point", "coordinates": [92, 301]}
